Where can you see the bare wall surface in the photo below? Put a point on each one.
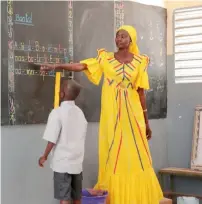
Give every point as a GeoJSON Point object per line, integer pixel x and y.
{"type": "Point", "coordinates": [182, 100]}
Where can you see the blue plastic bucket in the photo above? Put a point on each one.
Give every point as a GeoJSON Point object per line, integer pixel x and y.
{"type": "Point", "coordinates": [87, 198]}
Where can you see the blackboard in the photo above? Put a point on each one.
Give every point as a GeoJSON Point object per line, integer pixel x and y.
{"type": "Point", "coordinates": [4, 64]}
{"type": "Point", "coordinates": [32, 31]}
{"type": "Point", "coordinates": [94, 27]}
{"type": "Point", "coordinates": [150, 22]}
{"type": "Point", "coordinates": [72, 31]}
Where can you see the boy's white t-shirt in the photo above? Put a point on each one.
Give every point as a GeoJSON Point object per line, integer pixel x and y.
{"type": "Point", "coordinates": [66, 127]}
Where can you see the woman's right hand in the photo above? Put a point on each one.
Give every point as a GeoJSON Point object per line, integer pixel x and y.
{"type": "Point", "coordinates": [47, 67]}
{"type": "Point", "coordinates": [75, 67]}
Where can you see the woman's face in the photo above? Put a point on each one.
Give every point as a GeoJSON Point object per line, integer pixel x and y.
{"type": "Point", "coordinates": [122, 39]}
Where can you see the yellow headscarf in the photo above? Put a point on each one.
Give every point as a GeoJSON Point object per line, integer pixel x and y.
{"type": "Point", "coordinates": [133, 35]}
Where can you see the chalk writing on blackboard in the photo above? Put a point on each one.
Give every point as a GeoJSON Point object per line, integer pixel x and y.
{"type": "Point", "coordinates": [23, 53]}
{"type": "Point", "coordinates": [25, 19]}
{"type": "Point", "coordinates": [35, 52]}
{"type": "Point", "coordinates": [12, 109]}
{"type": "Point", "coordinates": [118, 14]}
{"type": "Point", "coordinates": [31, 72]}
{"type": "Point", "coordinates": [39, 58]}
{"type": "Point", "coordinates": [35, 46]}
{"type": "Point", "coordinates": [70, 33]}
{"type": "Point", "coordinates": [160, 33]}
{"type": "Point", "coordinates": [11, 75]}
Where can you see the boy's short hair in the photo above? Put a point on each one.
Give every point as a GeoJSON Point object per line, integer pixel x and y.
{"type": "Point", "coordinates": [71, 88]}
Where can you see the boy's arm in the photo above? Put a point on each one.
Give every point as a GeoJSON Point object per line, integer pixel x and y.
{"type": "Point", "coordinates": [51, 135]}
{"type": "Point", "coordinates": [48, 149]}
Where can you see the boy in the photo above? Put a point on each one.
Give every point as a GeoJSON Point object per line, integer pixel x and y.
{"type": "Point", "coordinates": [65, 133]}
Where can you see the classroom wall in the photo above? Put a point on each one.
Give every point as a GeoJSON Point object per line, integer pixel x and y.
{"type": "Point", "coordinates": [24, 183]}
{"type": "Point", "coordinates": [182, 99]}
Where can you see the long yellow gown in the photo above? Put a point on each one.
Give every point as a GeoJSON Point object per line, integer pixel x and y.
{"type": "Point", "coordinates": [125, 164]}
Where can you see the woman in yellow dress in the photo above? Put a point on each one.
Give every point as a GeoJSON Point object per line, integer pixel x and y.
{"type": "Point", "coordinates": [125, 164]}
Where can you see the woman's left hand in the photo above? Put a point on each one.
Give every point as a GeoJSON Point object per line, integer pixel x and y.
{"type": "Point", "coordinates": [148, 132]}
